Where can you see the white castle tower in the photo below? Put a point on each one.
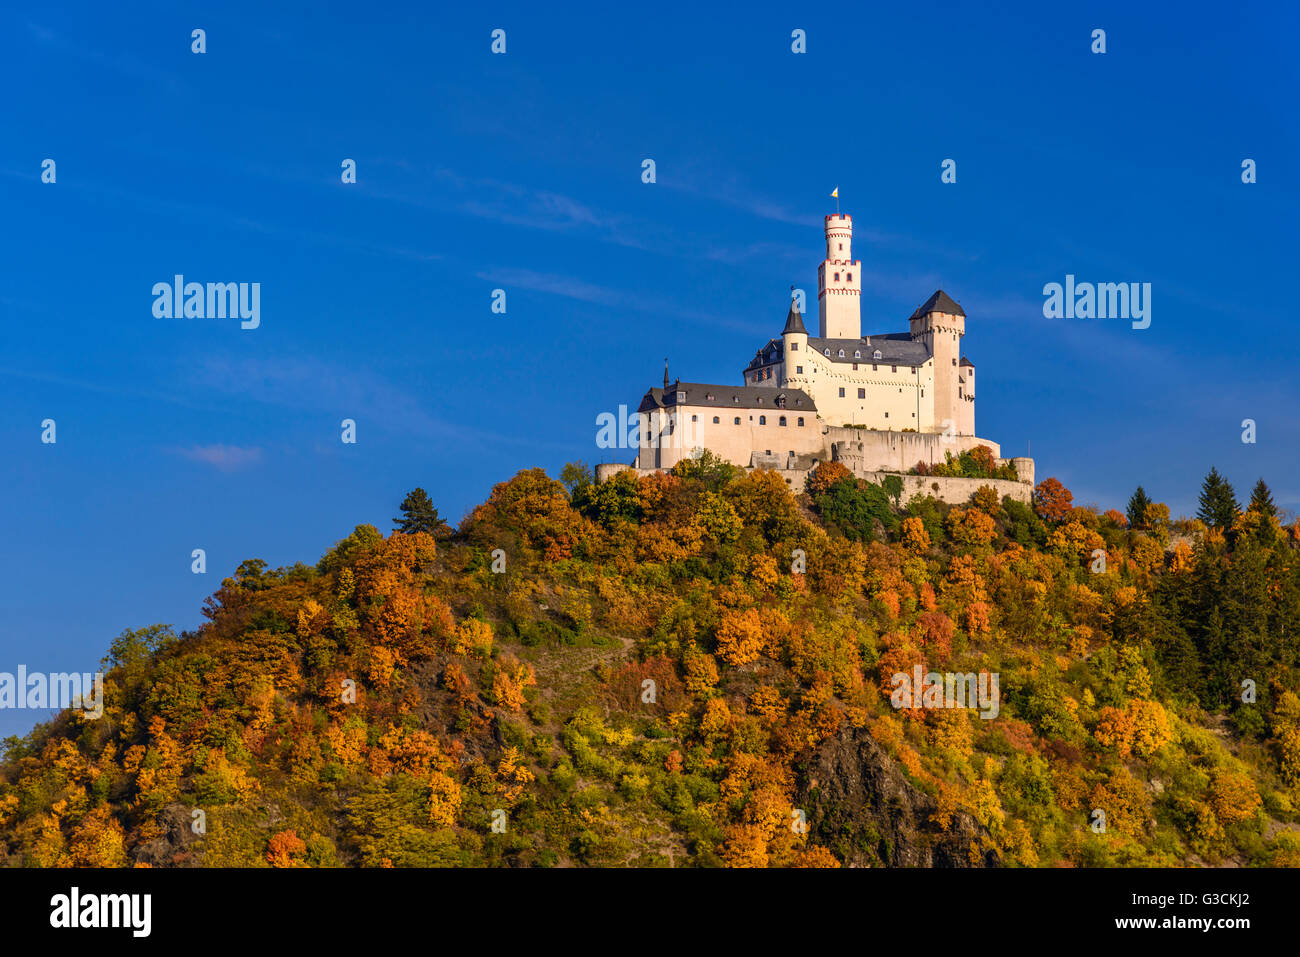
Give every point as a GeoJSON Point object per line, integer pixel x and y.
{"type": "Point", "coordinates": [839, 283]}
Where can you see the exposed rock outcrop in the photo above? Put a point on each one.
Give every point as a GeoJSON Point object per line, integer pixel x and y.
{"type": "Point", "coordinates": [860, 804]}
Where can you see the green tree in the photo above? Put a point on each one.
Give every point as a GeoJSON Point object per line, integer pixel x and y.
{"type": "Point", "coordinates": [576, 475]}
{"type": "Point", "coordinates": [1218, 502]}
{"type": "Point", "coordinates": [1261, 501]}
{"type": "Point", "coordinates": [1137, 508]}
{"type": "Point", "coordinates": [712, 470]}
{"type": "Point", "coordinates": [419, 515]}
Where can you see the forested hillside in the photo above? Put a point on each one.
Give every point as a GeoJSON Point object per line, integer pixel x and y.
{"type": "Point", "coordinates": [695, 669]}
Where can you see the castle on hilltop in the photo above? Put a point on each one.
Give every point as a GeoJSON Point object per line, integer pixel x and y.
{"type": "Point", "coordinates": [877, 403]}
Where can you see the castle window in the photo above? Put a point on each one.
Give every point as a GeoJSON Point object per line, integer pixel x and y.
{"type": "Point", "coordinates": [715, 420]}
{"type": "Point", "coordinates": [837, 277]}
{"type": "Point", "coordinates": [886, 415]}
{"type": "Point", "coordinates": [874, 367]}
{"type": "Point", "coordinates": [862, 393]}
{"type": "Point", "coordinates": [681, 396]}
{"type": "Point", "coordinates": [894, 369]}
{"type": "Point", "coordinates": [850, 277]}
{"type": "Point", "coordinates": [954, 361]}
{"type": "Point", "coordinates": [798, 370]}
{"type": "Point", "coordinates": [794, 347]}
{"type": "Point", "coordinates": [959, 392]}
{"type": "Point", "coordinates": [857, 354]}
{"type": "Point", "coordinates": [841, 353]}
{"type": "Point", "coordinates": [695, 418]}
{"type": "Point", "coordinates": [708, 396]}
{"type": "Point", "coordinates": [781, 421]}
{"type": "Point", "coordinates": [737, 422]}
{"type": "Point", "coordinates": [876, 355]}
{"type": "Point", "coordinates": [841, 247]}
{"type": "Point", "coordinates": [827, 352]}
{"type": "Point", "coordinates": [841, 392]}
{"type": "Point", "coordinates": [762, 420]}
{"type": "Point", "coordinates": [801, 420]}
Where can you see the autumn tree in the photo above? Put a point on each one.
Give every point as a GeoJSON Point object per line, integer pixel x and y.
{"type": "Point", "coordinates": [1052, 500]}
{"type": "Point", "coordinates": [826, 474]}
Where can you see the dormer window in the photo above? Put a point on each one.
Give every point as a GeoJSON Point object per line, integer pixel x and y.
{"type": "Point", "coordinates": [681, 396]}
{"type": "Point", "coordinates": [857, 353]}
{"type": "Point", "coordinates": [827, 352]}
{"type": "Point", "coordinates": [841, 353]}
{"type": "Point", "coordinates": [709, 396]}
{"type": "Point", "coordinates": [876, 354]}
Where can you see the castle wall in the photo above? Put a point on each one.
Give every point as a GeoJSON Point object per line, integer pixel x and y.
{"type": "Point", "coordinates": [954, 491]}
{"type": "Point", "coordinates": [759, 431]}
{"type": "Point", "coordinates": [894, 396]}
{"type": "Point", "coordinates": [867, 450]}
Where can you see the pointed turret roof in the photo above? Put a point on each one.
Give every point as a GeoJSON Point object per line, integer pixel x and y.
{"type": "Point", "coordinates": [793, 322]}
{"type": "Point", "coordinates": [939, 302]}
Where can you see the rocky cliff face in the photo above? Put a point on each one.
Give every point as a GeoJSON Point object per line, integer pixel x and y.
{"type": "Point", "coordinates": [861, 805]}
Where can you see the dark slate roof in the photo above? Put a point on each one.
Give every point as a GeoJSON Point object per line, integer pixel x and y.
{"type": "Point", "coordinates": [771, 353]}
{"type": "Point", "coordinates": [793, 322]}
{"type": "Point", "coordinates": [895, 349]}
{"type": "Point", "coordinates": [728, 397]}
{"type": "Point", "coordinates": [939, 302]}
{"type": "Point", "coordinates": [966, 362]}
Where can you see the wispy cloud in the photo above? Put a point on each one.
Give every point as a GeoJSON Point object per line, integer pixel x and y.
{"type": "Point", "coordinates": [225, 458]}
{"type": "Point", "coordinates": [566, 286]}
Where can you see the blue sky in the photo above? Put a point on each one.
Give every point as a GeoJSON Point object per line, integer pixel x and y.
{"type": "Point", "coordinates": [522, 171]}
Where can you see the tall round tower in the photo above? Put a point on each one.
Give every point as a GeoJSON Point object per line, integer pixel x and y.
{"type": "Point", "coordinates": [839, 283]}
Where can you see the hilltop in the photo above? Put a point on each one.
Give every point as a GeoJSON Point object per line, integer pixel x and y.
{"type": "Point", "coordinates": [696, 669]}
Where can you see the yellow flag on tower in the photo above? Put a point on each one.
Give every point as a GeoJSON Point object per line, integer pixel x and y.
{"type": "Point", "coordinates": [835, 193]}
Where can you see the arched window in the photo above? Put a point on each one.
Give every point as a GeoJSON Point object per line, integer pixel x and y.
{"type": "Point", "coordinates": [857, 353]}
{"type": "Point", "coordinates": [695, 418]}
{"type": "Point", "coordinates": [837, 277]}
{"type": "Point", "coordinates": [762, 420]}
{"type": "Point", "coordinates": [715, 420]}
{"type": "Point", "coordinates": [782, 421]}
{"type": "Point", "coordinates": [827, 352]}
{"type": "Point", "coordinates": [737, 422]}
{"type": "Point", "coordinates": [801, 420]}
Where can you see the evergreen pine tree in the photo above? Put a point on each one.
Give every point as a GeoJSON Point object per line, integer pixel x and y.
{"type": "Point", "coordinates": [1137, 508]}
{"type": "Point", "coordinates": [1218, 502]}
{"type": "Point", "coordinates": [1261, 500]}
{"type": "Point", "coordinates": [419, 515]}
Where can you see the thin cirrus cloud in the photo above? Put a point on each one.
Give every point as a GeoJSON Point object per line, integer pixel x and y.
{"type": "Point", "coordinates": [224, 458]}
